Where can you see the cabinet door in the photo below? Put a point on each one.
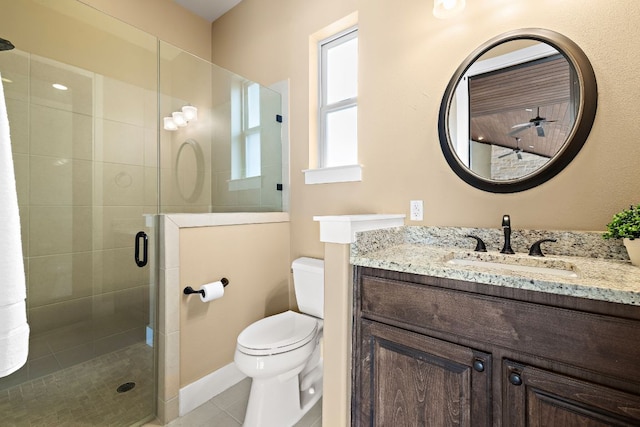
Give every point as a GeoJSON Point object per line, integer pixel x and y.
{"type": "Point", "coordinates": [408, 379]}
{"type": "Point", "coordinates": [534, 397]}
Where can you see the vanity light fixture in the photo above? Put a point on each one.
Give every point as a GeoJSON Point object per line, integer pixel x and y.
{"type": "Point", "coordinates": [443, 9]}
{"type": "Point", "coordinates": [190, 113]}
{"type": "Point", "coordinates": [169, 124]}
{"type": "Point", "coordinates": [179, 119]}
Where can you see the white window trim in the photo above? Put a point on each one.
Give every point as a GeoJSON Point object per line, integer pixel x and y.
{"type": "Point", "coordinates": [251, 183]}
{"type": "Point", "coordinates": [332, 174]}
{"type": "Point", "coordinates": [335, 174]}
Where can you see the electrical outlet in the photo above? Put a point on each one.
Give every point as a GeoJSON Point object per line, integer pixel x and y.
{"type": "Point", "coordinates": [416, 208]}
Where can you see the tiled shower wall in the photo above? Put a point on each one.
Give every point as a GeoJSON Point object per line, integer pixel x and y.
{"type": "Point", "coordinates": [85, 162]}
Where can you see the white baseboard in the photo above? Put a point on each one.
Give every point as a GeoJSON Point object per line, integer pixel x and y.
{"type": "Point", "coordinates": [206, 388]}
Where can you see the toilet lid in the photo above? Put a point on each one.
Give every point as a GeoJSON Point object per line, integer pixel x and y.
{"type": "Point", "coordinates": [277, 334]}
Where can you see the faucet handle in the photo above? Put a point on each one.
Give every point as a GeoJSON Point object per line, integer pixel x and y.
{"type": "Point", "coordinates": [535, 248]}
{"type": "Point", "coordinates": [480, 246]}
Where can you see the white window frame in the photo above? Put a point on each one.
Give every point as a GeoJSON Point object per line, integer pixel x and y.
{"type": "Point", "coordinates": [240, 131]}
{"type": "Point", "coordinates": [342, 173]}
{"type": "Point", "coordinates": [249, 131]}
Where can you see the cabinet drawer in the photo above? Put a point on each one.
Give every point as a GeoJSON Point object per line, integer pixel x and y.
{"type": "Point", "coordinates": [600, 343]}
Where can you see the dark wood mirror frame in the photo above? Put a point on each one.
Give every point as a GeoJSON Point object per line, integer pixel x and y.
{"type": "Point", "coordinates": [588, 99]}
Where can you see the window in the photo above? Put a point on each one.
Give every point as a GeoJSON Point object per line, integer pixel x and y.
{"type": "Point", "coordinates": [251, 129]}
{"type": "Point", "coordinates": [245, 123]}
{"type": "Point", "coordinates": [338, 98]}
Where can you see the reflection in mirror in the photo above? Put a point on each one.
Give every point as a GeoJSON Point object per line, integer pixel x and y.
{"type": "Point", "coordinates": [517, 110]}
{"type": "Point", "coordinates": [514, 109]}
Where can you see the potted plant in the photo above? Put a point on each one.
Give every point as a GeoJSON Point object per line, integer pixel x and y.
{"type": "Point", "coordinates": [625, 225]}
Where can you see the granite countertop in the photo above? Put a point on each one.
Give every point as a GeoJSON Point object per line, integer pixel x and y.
{"type": "Point", "coordinates": [593, 269]}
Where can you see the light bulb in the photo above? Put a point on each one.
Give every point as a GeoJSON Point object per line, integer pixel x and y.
{"type": "Point", "coordinates": [179, 119]}
{"type": "Point", "coordinates": [443, 9]}
{"type": "Point", "coordinates": [169, 124]}
{"type": "Point", "coordinates": [190, 113]}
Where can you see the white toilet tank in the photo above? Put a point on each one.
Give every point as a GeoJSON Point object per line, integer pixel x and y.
{"type": "Point", "coordinates": [308, 281]}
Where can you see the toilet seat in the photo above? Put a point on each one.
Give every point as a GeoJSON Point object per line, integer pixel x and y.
{"type": "Point", "coordinates": [277, 334]}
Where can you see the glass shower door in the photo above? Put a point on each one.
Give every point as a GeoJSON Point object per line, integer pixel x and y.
{"type": "Point", "coordinates": [84, 139]}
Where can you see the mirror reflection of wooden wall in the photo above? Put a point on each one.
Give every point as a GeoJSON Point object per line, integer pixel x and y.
{"type": "Point", "coordinates": [517, 110]}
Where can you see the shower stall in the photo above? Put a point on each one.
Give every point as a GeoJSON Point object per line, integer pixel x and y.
{"type": "Point", "coordinates": [86, 96]}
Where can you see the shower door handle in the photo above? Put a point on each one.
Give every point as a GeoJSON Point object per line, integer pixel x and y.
{"type": "Point", "coordinates": [145, 242]}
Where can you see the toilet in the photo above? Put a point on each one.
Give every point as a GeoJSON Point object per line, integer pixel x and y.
{"type": "Point", "coordinates": [283, 355]}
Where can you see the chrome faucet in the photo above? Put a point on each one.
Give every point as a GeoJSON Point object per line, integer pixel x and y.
{"type": "Point", "coordinates": [506, 227]}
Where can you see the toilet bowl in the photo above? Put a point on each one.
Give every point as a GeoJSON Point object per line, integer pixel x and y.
{"type": "Point", "coordinates": [283, 354]}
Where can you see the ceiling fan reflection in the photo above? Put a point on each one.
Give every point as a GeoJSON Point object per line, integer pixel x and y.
{"type": "Point", "coordinates": [515, 151]}
{"type": "Point", "coordinates": [536, 122]}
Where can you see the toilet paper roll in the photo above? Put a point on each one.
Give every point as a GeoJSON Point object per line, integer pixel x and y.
{"type": "Point", "coordinates": [213, 290]}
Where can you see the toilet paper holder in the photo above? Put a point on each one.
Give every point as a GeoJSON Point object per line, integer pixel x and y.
{"type": "Point", "coordinates": [189, 290]}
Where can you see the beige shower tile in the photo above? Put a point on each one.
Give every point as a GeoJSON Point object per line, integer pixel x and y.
{"type": "Point", "coordinates": [122, 185]}
{"type": "Point", "coordinates": [18, 113]}
{"type": "Point", "coordinates": [169, 365]}
{"type": "Point", "coordinates": [21, 172]}
{"type": "Point", "coordinates": [170, 296]}
{"type": "Point", "coordinates": [73, 356]}
{"type": "Point", "coordinates": [52, 316]}
{"type": "Point", "coordinates": [60, 133]}
{"type": "Point", "coordinates": [57, 278]}
{"type": "Point", "coordinates": [59, 229]}
{"type": "Point", "coordinates": [151, 186]}
{"type": "Point", "coordinates": [43, 366]}
{"type": "Point", "coordinates": [115, 269]}
{"type": "Point", "coordinates": [60, 181]}
{"type": "Point", "coordinates": [24, 229]}
{"type": "Point", "coordinates": [14, 66]}
{"type": "Point", "coordinates": [151, 147]}
{"type": "Point", "coordinates": [116, 226]}
{"type": "Point", "coordinates": [128, 305]}
{"type": "Point", "coordinates": [119, 341]}
{"type": "Point", "coordinates": [38, 346]}
{"type": "Point", "coordinates": [79, 96]}
{"type": "Point", "coordinates": [70, 336]}
{"type": "Point", "coordinates": [150, 110]}
{"type": "Point", "coordinates": [119, 142]}
{"type": "Point", "coordinates": [169, 243]}
{"type": "Point", "coordinates": [120, 101]}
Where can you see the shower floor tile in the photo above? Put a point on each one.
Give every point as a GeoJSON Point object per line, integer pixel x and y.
{"type": "Point", "coordinates": [85, 394]}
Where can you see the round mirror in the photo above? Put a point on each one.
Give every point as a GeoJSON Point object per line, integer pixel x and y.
{"type": "Point", "coordinates": [517, 110]}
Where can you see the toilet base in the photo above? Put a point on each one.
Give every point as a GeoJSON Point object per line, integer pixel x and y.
{"type": "Point", "coordinates": [274, 402]}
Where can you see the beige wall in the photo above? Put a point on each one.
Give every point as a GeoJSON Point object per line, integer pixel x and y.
{"type": "Point", "coordinates": [406, 58]}
{"type": "Point", "coordinates": [255, 259]}
{"type": "Point", "coordinates": [164, 19]}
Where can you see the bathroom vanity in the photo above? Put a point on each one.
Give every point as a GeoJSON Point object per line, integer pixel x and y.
{"type": "Point", "coordinates": [439, 342]}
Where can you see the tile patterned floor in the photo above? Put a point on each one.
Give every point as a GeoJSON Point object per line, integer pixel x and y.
{"type": "Point", "coordinates": [85, 394]}
{"type": "Point", "coordinates": [228, 408]}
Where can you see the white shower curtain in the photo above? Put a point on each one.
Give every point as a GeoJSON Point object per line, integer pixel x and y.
{"type": "Point", "coordinates": [14, 330]}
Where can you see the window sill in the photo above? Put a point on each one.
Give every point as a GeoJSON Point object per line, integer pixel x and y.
{"type": "Point", "coordinates": [255, 182]}
{"type": "Point", "coordinates": [350, 173]}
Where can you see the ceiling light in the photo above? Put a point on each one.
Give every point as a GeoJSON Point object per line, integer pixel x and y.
{"type": "Point", "coordinates": [59, 86]}
{"type": "Point", "coordinates": [4, 79]}
{"type": "Point", "coordinates": [443, 9]}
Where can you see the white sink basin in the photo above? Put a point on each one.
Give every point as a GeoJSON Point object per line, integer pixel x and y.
{"type": "Point", "coordinates": [518, 265]}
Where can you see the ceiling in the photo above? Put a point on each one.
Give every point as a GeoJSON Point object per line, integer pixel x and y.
{"type": "Point", "coordinates": [505, 104]}
{"type": "Point", "coordinates": [208, 9]}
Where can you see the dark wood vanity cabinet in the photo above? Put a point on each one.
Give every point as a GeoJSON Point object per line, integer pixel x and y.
{"type": "Point", "coordinates": [439, 352]}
